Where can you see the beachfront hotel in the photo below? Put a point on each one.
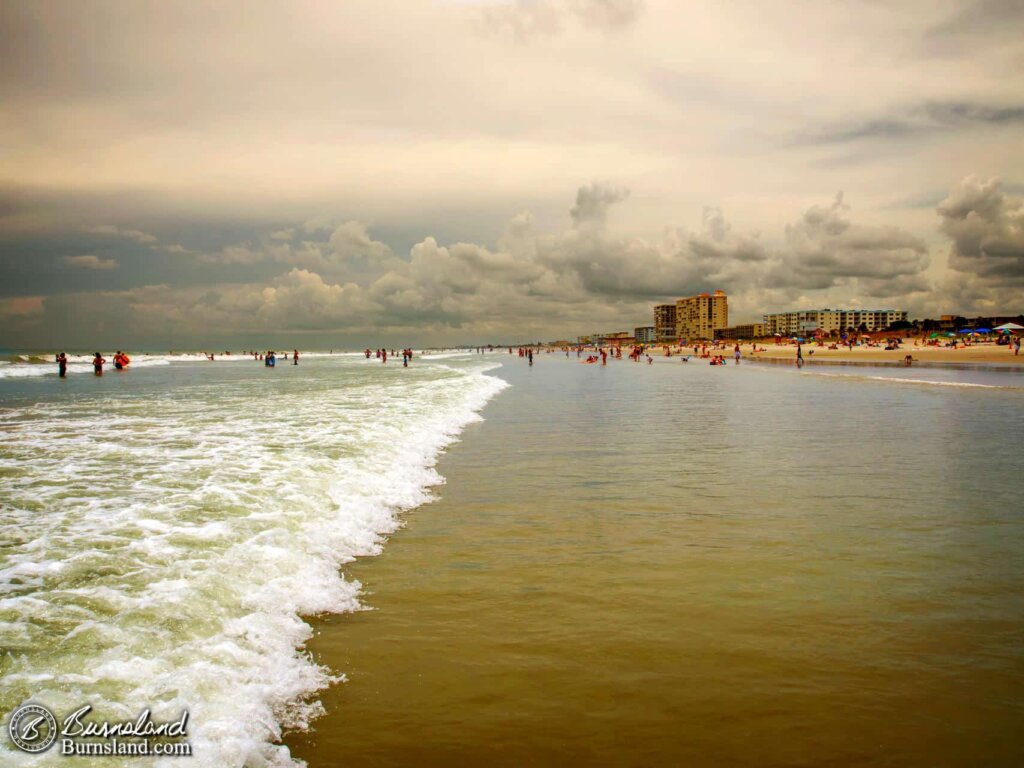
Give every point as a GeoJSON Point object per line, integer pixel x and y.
{"type": "Point", "coordinates": [699, 317]}
{"type": "Point", "coordinates": [829, 320]}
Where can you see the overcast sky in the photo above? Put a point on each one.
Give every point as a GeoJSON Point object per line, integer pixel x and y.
{"type": "Point", "coordinates": [429, 171]}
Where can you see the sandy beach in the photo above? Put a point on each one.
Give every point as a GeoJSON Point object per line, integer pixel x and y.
{"type": "Point", "coordinates": [976, 354]}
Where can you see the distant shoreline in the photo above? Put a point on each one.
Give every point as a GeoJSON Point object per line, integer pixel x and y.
{"type": "Point", "coordinates": [949, 365]}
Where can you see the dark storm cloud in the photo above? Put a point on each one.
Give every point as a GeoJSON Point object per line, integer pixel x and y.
{"type": "Point", "coordinates": [347, 281]}
{"type": "Point", "coordinates": [923, 119]}
{"type": "Point", "coordinates": [592, 204]}
{"type": "Point", "coordinates": [986, 230]}
{"type": "Point", "coordinates": [824, 249]}
{"type": "Point", "coordinates": [988, 22]}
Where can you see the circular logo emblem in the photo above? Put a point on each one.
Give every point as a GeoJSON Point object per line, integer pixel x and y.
{"type": "Point", "coordinates": [32, 728]}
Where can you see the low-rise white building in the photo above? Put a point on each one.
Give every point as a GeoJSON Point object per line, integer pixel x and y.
{"type": "Point", "coordinates": [804, 321]}
{"type": "Point", "coordinates": [645, 334]}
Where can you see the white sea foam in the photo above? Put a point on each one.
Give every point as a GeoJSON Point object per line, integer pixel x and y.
{"type": "Point", "coordinates": [161, 551]}
{"type": "Point", "coordinates": [909, 380]}
{"type": "Point", "coordinates": [45, 365]}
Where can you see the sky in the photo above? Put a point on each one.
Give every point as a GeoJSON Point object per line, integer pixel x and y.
{"type": "Point", "coordinates": [219, 174]}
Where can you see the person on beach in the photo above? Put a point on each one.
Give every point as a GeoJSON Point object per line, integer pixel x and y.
{"type": "Point", "coordinates": [62, 365]}
{"type": "Point", "coordinates": [295, 357]}
{"type": "Point", "coordinates": [1016, 346]}
{"type": "Point", "coordinates": [405, 359]}
{"type": "Point", "coordinates": [530, 355]}
{"type": "Point", "coordinates": [799, 356]}
{"type": "Point", "coordinates": [97, 364]}
{"type": "Point", "coordinates": [736, 353]}
{"type": "Point", "coordinates": [383, 355]}
{"type": "Point", "coordinates": [908, 360]}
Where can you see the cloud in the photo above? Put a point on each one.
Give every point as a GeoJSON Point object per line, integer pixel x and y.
{"type": "Point", "coordinates": [350, 287]}
{"type": "Point", "coordinates": [524, 19]}
{"type": "Point", "coordinates": [919, 120]}
{"type": "Point", "coordinates": [129, 234]}
{"type": "Point", "coordinates": [825, 249]}
{"type": "Point", "coordinates": [986, 231]}
{"type": "Point", "coordinates": [991, 22]}
{"type": "Point", "coordinates": [592, 204]}
{"type": "Point", "coordinates": [608, 14]}
{"type": "Point", "coordinates": [90, 261]}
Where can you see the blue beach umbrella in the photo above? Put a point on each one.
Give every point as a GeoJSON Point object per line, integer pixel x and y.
{"type": "Point", "coordinates": [983, 330]}
{"type": "Point", "coordinates": [966, 330]}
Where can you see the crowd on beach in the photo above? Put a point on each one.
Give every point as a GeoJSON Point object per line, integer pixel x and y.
{"type": "Point", "coordinates": [714, 352]}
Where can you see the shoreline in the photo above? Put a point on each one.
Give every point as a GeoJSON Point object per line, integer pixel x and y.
{"type": "Point", "coordinates": [947, 365]}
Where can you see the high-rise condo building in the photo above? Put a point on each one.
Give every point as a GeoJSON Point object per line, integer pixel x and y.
{"type": "Point", "coordinates": [698, 317]}
{"type": "Point", "coordinates": [665, 323]}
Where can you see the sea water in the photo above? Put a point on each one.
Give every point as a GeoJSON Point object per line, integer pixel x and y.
{"type": "Point", "coordinates": [164, 531]}
{"type": "Point", "coordinates": [680, 564]}
{"type": "Point", "coordinates": [673, 564]}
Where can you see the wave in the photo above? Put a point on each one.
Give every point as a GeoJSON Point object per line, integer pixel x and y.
{"type": "Point", "coordinates": [912, 381]}
{"type": "Point", "coordinates": [28, 370]}
{"type": "Point", "coordinates": [160, 551]}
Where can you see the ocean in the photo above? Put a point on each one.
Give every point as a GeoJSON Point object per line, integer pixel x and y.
{"type": "Point", "coordinates": [164, 529]}
{"type": "Point", "coordinates": [673, 564]}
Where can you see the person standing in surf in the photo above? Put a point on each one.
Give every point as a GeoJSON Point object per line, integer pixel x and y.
{"type": "Point", "coordinates": [295, 357]}
{"type": "Point", "coordinates": [97, 364]}
{"type": "Point", "coordinates": [62, 365]}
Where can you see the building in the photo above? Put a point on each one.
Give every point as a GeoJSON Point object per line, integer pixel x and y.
{"type": "Point", "coordinates": [644, 334]}
{"type": "Point", "coordinates": [665, 323]}
{"type": "Point", "coordinates": [804, 321]}
{"type": "Point", "coordinates": [616, 338]}
{"type": "Point", "coordinates": [698, 317]}
{"type": "Point", "coordinates": [747, 331]}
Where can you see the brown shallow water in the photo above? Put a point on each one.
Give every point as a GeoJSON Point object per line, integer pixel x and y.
{"type": "Point", "coordinates": [696, 566]}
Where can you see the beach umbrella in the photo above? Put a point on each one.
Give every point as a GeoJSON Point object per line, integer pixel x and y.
{"type": "Point", "coordinates": [949, 333]}
{"type": "Point", "coordinates": [1010, 327]}
{"type": "Point", "coordinates": [933, 335]}
{"type": "Point", "coordinates": [966, 330]}
{"type": "Point", "coordinates": [983, 330]}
